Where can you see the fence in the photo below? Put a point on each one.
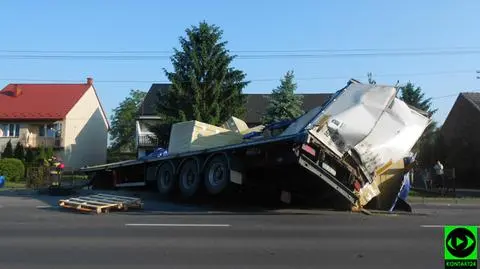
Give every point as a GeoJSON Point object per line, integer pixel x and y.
{"type": "Point", "coordinates": [40, 177]}
{"type": "Point", "coordinates": [426, 179]}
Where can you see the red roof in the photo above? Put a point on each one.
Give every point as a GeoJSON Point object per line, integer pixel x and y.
{"type": "Point", "coordinates": [39, 101]}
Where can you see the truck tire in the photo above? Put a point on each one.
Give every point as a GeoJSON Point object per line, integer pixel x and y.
{"type": "Point", "coordinates": [165, 178]}
{"type": "Point", "coordinates": [189, 178]}
{"type": "Point", "coordinates": [216, 175]}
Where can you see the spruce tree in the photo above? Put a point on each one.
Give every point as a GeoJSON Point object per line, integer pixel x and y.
{"type": "Point", "coordinates": [415, 97]}
{"type": "Point", "coordinates": [284, 104]}
{"type": "Point", "coordinates": [204, 85]}
{"type": "Point", "coordinates": [29, 156]}
{"type": "Point", "coordinates": [8, 151]}
{"type": "Point", "coordinates": [19, 152]}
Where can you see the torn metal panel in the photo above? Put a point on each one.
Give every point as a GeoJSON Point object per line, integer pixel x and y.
{"type": "Point", "coordinates": [369, 123]}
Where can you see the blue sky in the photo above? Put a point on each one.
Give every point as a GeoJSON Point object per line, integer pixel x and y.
{"type": "Point", "coordinates": [248, 26]}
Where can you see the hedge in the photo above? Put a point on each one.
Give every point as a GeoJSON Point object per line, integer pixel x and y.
{"type": "Point", "coordinates": [12, 169]}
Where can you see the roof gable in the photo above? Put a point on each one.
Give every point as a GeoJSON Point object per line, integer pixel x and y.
{"type": "Point", "coordinates": [39, 101]}
{"type": "Point", "coordinates": [473, 97]}
{"type": "Point", "coordinates": [149, 104]}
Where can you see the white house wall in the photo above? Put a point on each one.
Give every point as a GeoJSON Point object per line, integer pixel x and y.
{"type": "Point", "coordinates": [86, 133]}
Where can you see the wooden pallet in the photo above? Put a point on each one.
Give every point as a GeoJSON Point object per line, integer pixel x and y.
{"type": "Point", "coordinates": [101, 203]}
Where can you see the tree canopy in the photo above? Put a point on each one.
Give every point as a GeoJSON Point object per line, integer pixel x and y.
{"type": "Point", "coordinates": [205, 87]}
{"type": "Point", "coordinates": [123, 121]}
{"type": "Point", "coordinates": [283, 103]}
{"type": "Point", "coordinates": [415, 97]}
{"type": "Point", "coordinates": [430, 145]}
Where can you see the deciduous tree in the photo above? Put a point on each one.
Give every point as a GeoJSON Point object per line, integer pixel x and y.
{"type": "Point", "coordinates": [123, 121]}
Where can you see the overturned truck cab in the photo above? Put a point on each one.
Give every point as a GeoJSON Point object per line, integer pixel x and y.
{"type": "Point", "coordinates": [360, 143]}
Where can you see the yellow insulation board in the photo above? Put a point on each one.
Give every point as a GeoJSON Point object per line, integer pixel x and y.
{"type": "Point", "coordinates": [195, 135]}
{"type": "Point", "coordinates": [235, 124]}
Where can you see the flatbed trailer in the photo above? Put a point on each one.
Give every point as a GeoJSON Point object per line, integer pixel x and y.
{"type": "Point", "coordinates": [287, 164]}
{"type": "Point", "coordinates": [308, 159]}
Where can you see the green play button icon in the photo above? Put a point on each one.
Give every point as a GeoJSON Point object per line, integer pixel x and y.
{"type": "Point", "coordinates": [458, 242]}
{"type": "Point", "coordinates": [461, 243]}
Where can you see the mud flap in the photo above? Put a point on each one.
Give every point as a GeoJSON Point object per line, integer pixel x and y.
{"type": "Point", "coordinates": [400, 203]}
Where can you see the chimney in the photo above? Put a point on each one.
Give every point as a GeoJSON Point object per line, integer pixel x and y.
{"type": "Point", "coordinates": [17, 91]}
{"type": "Point", "coordinates": [89, 81]}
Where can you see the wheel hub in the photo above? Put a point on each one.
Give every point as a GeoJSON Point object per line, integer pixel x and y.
{"type": "Point", "coordinates": [216, 174]}
{"type": "Point", "coordinates": [166, 178]}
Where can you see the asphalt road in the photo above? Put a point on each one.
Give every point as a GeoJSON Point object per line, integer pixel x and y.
{"type": "Point", "coordinates": [35, 235]}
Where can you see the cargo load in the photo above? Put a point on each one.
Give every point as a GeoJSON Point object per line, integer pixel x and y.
{"type": "Point", "coordinates": [195, 135]}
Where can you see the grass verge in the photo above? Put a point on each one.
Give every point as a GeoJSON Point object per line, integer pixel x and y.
{"type": "Point", "coordinates": [14, 185]}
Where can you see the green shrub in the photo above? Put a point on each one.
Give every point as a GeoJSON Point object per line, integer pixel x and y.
{"type": "Point", "coordinates": [49, 153]}
{"type": "Point", "coordinates": [12, 169]}
{"type": "Point", "coordinates": [41, 154]}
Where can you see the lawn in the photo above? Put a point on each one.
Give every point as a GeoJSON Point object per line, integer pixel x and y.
{"type": "Point", "coordinates": [74, 177]}
{"type": "Point", "coordinates": [14, 185]}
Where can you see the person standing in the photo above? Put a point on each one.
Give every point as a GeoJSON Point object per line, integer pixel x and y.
{"type": "Point", "coordinates": [438, 167]}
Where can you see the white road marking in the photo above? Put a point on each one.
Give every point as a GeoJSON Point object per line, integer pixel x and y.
{"type": "Point", "coordinates": [175, 225]}
{"type": "Point", "coordinates": [440, 226]}
{"type": "Point", "coordinates": [44, 206]}
{"type": "Point", "coordinates": [431, 226]}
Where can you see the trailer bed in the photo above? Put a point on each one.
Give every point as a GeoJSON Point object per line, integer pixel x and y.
{"type": "Point", "coordinates": [95, 168]}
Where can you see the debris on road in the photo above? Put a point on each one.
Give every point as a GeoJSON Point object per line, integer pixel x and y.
{"type": "Point", "coordinates": [101, 203]}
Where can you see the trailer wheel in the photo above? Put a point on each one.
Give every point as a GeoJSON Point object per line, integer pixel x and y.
{"type": "Point", "coordinates": [216, 175]}
{"type": "Point", "coordinates": [189, 178]}
{"type": "Point", "coordinates": [165, 178]}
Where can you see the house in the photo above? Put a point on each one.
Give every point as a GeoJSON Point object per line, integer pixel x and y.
{"type": "Point", "coordinates": [145, 140]}
{"type": "Point", "coordinates": [67, 117]}
{"type": "Point", "coordinates": [461, 135]}
{"type": "Point", "coordinates": [256, 106]}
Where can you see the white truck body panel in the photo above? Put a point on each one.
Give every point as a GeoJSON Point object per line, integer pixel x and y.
{"type": "Point", "coordinates": [368, 119]}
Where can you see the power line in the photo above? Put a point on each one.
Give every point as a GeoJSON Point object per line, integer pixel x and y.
{"type": "Point", "coordinates": [253, 80]}
{"type": "Point", "coordinates": [445, 96]}
{"type": "Point", "coordinates": [153, 57]}
{"type": "Point", "coordinates": [244, 51]}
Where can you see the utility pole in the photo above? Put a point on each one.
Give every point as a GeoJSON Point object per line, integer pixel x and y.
{"type": "Point", "coordinates": [478, 72]}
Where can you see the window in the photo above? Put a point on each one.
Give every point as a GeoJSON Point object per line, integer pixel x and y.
{"type": "Point", "coordinates": [41, 130]}
{"type": "Point", "coordinates": [50, 130]}
{"type": "Point", "coordinates": [10, 130]}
